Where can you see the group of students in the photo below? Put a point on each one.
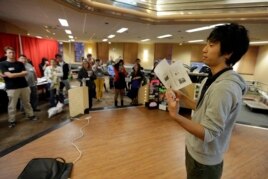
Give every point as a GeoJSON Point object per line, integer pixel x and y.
{"type": "Point", "coordinates": [21, 83]}
{"type": "Point", "coordinates": [92, 75]}
{"type": "Point", "coordinates": [57, 74]}
{"type": "Point", "coordinates": [210, 128]}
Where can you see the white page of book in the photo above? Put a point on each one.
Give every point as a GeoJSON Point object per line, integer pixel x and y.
{"type": "Point", "coordinates": [172, 76]}
{"type": "Point", "coordinates": [162, 71]}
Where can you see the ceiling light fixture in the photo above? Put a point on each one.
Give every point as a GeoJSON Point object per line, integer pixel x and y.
{"type": "Point", "coordinates": [64, 22]}
{"type": "Point", "coordinates": [122, 30]}
{"type": "Point", "coordinates": [144, 40]}
{"type": "Point", "coordinates": [38, 37]}
{"type": "Point", "coordinates": [131, 2]}
{"type": "Point", "coordinates": [111, 36]}
{"type": "Point", "coordinates": [68, 31]}
{"type": "Point", "coordinates": [203, 28]}
{"type": "Point", "coordinates": [195, 41]}
{"type": "Point", "coordinates": [104, 40]}
{"type": "Point", "coordinates": [164, 36]}
{"type": "Point", "coordinates": [71, 37]}
{"type": "Point", "coordinates": [258, 42]}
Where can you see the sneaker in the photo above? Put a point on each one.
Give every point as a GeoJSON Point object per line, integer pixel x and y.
{"type": "Point", "coordinates": [12, 124]}
{"type": "Point", "coordinates": [33, 118]}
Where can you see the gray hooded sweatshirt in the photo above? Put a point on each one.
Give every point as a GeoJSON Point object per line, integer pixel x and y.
{"type": "Point", "coordinates": [217, 113]}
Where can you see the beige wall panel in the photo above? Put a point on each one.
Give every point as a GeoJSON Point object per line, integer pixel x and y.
{"type": "Point", "coordinates": [247, 63]}
{"type": "Point", "coordinates": [68, 52]}
{"type": "Point", "coordinates": [196, 53]}
{"type": "Point", "coordinates": [103, 51]}
{"type": "Point", "coordinates": [181, 53]}
{"type": "Point", "coordinates": [116, 50]}
{"type": "Point", "coordinates": [261, 69]}
{"type": "Point", "coordinates": [130, 53]}
{"type": "Point", "coordinates": [146, 55]}
{"type": "Point", "coordinates": [90, 48]}
{"type": "Point", "coordinates": [163, 50]}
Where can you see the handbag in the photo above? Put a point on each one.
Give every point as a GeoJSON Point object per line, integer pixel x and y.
{"type": "Point", "coordinates": [47, 168]}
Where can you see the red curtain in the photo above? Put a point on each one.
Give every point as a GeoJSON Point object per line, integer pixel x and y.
{"type": "Point", "coordinates": [35, 49]}
{"type": "Point", "coordinates": [9, 40]}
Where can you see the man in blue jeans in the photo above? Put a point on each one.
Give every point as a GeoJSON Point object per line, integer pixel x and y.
{"type": "Point", "coordinates": [210, 129]}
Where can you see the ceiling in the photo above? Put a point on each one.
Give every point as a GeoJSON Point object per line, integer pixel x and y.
{"type": "Point", "coordinates": [91, 20]}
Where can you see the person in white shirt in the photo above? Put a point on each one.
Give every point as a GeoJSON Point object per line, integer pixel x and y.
{"type": "Point", "coordinates": [53, 74]}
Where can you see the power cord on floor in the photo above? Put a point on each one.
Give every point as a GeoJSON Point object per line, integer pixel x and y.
{"type": "Point", "coordinates": [78, 137]}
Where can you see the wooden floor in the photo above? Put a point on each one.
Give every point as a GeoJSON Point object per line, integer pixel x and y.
{"type": "Point", "coordinates": [137, 143]}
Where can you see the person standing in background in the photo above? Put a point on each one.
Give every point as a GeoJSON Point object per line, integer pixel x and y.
{"type": "Point", "coordinates": [99, 82]}
{"type": "Point", "coordinates": [110, 70]}
{"type": "Point", "coordinates": [32, 81]}
{"type": "Point", "coordinates": [42, 66]}
{"type": "Point", "coordinates": [136, 79]}
{"type": "Point", "coordinates": [87, 75]}
{"type": "Point", "coordinates": [53, 74]}
{"type": "Point", "coordinates": [66, 72]}
{"type": "Point", "coordinates": [17, 87]}
{"type": "Point", "coordinates": [209, 131]}
{"type": "Point", "coordinates": [119, 81]}
{"type": "Point", "coordinates": [90, 59]}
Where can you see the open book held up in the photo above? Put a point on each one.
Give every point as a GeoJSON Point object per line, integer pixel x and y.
{"type": "Point", "coordinates": [173, 76]}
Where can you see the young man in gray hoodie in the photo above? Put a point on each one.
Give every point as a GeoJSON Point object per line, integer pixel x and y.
{"type": "Point", "coordinates": [215, 112]}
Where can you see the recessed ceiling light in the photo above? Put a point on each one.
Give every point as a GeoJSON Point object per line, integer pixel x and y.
{"type": "Point", "coordinates": [71, 37]}
{"type": "Point", "coordinates": [68, 31]}
{"type": "Point", "coordinates": [64, 22]}
{"type": "Point", "coordinates": [122, 30]}
{"type": "Point", "coordinates": [259, 42]}
{"type": "Point", "coordinates": [195, 41]}
{"type": "Point", "coordinates": [38, 37]}
{"type": "Point", "coordinates": [203, 28]}
{"type": "Point", "coordinates": [104, 40]}
{"type": "Point", "coordinates": [164, 36]}
{"type": "Point", "coordinates": [144, 40]}
{"type": "Point", "coordinates": [111, 36]}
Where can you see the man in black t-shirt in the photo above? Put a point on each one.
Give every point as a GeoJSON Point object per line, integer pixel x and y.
{"type": "Point", "coordinates": [14, 74]}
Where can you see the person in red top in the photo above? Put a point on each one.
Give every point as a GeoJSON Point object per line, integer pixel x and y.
{"type": "Point", "coordinates": [119, 81]}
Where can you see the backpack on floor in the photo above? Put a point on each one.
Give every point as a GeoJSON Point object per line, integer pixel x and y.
{"type": "Point", "coordinates": [47, 168]}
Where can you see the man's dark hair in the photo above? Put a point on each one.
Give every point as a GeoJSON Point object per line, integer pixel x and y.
{"type": "Point", "coordinates": [8, 48]}
{"type": "Point", "coordinates": [22, 55]}
{"type": "Point", "coordinates": [233, 39]}
{"type": "Point", "coordinates": [89, 55]}
{"type": "Point", "coordinates": [58, 55]}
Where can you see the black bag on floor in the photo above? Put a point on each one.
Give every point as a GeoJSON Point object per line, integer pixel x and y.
{"type": "Point", "coordinates": [47, 168]}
